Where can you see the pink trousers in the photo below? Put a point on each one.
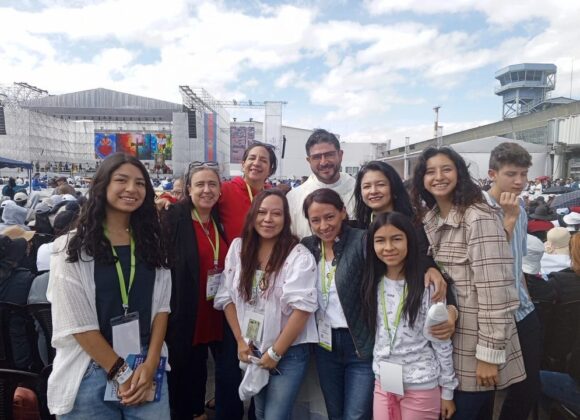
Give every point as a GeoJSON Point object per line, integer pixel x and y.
{"type": "Point", "coordinates": [414, 405]}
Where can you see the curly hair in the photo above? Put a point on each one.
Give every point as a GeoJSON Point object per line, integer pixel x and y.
{"type": "Point", "coordinates": [465, 194]}
{"type": "Point", "coordinates": [399, 195]}
{"type": "Point", "coordinates": [90, 237]}
{"type": "Point", "coordinates": [251, 244]}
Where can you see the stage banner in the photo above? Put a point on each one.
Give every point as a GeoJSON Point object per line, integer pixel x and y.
{"type": "Point", "coordinates": [210, 136]}
{"type": "Point", "coordinates": [165, 145]}
{"type": "Point", "coordinates": [240, 138]}
{"type": "Point", "coordinates": [105, 145]}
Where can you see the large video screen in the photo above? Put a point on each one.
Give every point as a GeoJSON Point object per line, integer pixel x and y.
{"type": "Point", "coordinates": [142, 145]}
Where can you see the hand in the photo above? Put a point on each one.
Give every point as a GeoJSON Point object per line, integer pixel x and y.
{"type": "Point", "coordinates": [445, 330]}
{"type": "Point", "coordinates": [434, 276]}
{"type": "Point", "coordinates": [162, 204]}
{"type": "Point", "coordinates": [140, 384]}
{"type": "Point", "coordinates": [510, 204]}
{"type": "Point", "coordinates": [244, 351]}
{"type": "Point", "coordinates": [447, 409]}
{"type": "Point", "coordinates": [486, 373]}
{"type": "Point", "coordinates": [266, 362]}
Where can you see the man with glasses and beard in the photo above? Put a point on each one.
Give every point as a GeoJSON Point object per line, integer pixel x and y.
{"type": "Point", "coordinates": [325, 157]}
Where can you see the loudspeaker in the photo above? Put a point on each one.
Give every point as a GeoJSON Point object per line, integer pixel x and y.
{"type": "Point", "coordinates": [191, 124]}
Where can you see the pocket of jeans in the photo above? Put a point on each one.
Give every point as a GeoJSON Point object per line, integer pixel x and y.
{"type": "Point", "coordinates": [90, 369]}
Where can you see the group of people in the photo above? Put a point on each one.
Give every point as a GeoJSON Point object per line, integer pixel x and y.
{"type": "Point", "coordinates": [413, 304]}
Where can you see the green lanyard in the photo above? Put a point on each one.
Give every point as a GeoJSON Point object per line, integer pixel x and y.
{"type": "Point", "coordinates": [325, 278]}
{"type": "Point", "coordinates": [397, 316]}
{"type": "Point", "coordinates": [216, 247]}
{"type": "Point", "coordinates": [122, 285]}
{"type": "Point", "coordinates": [250, 194]}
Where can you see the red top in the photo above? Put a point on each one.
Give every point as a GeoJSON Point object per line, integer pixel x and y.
{"type": "Point", "coordinates": [234, 204]}
{"type": "Point", "coordinates": [209, 325]}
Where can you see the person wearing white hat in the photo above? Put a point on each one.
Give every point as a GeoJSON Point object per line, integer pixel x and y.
{"type": "Point", "coordinates": [557, 255]}
{"type": "Point", "coordinates": [572, 221]}
{"type": "Point", "coordinates": [21, 198]}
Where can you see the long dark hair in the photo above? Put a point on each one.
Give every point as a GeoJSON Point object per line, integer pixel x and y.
{"type": "Point", "coordinates": [150, 245]}
{"type": "Point", "coordinates": [251, 244]}
{"type": "Point", "coordinates": [375, 270]}
{"type": "Point", "coordinates": [466, 193]}
{"type": "Point", "coordinates": [399, 195]}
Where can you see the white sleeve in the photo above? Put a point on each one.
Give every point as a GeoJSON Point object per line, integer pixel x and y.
{"type": "Point", "coordinates": [225, 293]}
{"type": "Point", "coordinates": [299, 288]}
{"type": "Point", "coordinates": [162, 290]}
{"type": "Point", "coordinates": [72, 309]}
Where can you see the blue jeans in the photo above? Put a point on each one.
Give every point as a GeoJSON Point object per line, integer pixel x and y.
{"type": "Point", "coordinates": [89, 402]}
{"type": "Point", "coordinates": [562, 388]}
{"type": "Point", "coordinates": [275, 400]}
{"type": "Point", "coordinates": [347, 382]}
{"type": "Point", "coordinates": [473, 405]}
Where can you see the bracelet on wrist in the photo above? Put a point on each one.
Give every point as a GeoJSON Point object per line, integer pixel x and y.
{"type": "Point", "coordinates": [115, 368]}
{"type": "Point", "coordinates": [273, 355]}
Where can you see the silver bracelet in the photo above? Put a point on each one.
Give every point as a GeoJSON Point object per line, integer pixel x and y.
{"type": "Point", "coordinates": [273, 355]}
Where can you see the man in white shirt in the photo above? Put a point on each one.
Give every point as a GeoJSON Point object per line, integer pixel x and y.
{"type": "Point", "coordinates": [325, 158]}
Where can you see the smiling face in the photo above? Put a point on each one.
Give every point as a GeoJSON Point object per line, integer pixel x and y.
{"type": "Point", "coordinates": [126, 190]}
{"type": "Point", "coordinates": [376, 192]}
{"type": "Point", "coordinates": [391, 248]}
{"type": "Point", "coordinates": [204, 189]}
{"type": "Point", "coordinates": [440, 177]}
{"type": "Point", "coordinates": [325, 161]}
{"type": "Point", "coordinates": [256, 167]}
{"type": "Point", "coordinates": [325, 220]}
{"type": "Point", "coordinates": [270, 217]}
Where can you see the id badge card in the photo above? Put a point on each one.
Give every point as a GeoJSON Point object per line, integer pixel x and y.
{"type": "Point", "coordinates": [253, 326]}
{"type": "Point", "coordinates": [126, 336]}
{"type": "Point", "coordinates": [391, 376]}
{"type": "Point", "coordinates": [324, 334]}
{"type": "Point", "coordinates": [214, 279]}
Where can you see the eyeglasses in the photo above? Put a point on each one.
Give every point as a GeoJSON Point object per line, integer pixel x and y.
{"type": "Point", "coordinates": [328, 156]}
{"type": "Point", "coordinates": [207, 164]}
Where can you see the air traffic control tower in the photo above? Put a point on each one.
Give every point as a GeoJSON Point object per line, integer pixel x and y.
{"type": "Point", "coordinates": [524, 86]}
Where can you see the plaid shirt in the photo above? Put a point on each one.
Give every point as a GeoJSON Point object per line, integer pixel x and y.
{"type": "Point", "coordinates": [474, 251]}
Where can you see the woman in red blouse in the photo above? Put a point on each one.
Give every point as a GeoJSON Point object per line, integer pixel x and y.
{"type": "Point", "coordinates": [258, 163]}
{"type": "Point", "coordinates": [199, 248]}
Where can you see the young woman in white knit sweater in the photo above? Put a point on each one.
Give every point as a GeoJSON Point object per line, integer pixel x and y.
{"type": "Point", "coordinates": [414, 376]}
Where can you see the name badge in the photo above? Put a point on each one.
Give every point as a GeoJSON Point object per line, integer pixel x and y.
{"type": "Point", "coordinates": [391, 376]}
{"type": "Point", "coordinates": [324, 334]}
{"type": "Point", "coordinates": [214, 278]}
{"type": "Point", "coordinates": [126, 336]}
{"type": "Point", "coordinates": [253, 326]}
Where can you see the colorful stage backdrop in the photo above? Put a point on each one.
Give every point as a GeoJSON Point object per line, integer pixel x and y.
{"type": "Point", "coordinates": [142, 145]}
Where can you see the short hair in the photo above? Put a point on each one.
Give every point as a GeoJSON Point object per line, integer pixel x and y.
{"type": "Point", "coordinates": [321, 136]}
{"type": "Point", "coordinates": [509, 153]}
{"type": "Point", "coordinates": [271, 154]}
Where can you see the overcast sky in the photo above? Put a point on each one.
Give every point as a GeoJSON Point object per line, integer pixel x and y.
{"type": "Point", "coordinates": [369, 70]}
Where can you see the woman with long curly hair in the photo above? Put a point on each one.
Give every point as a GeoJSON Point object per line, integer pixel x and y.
{"type": "Point", "coordinates": [268, 295]}
{"type": "Point", "coordinates": [110, 290]}
{"type": "Point", "coordinates": [468, 243]}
